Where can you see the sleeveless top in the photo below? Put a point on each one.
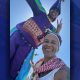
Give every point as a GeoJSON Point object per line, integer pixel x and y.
{"type": "Point", "coordinates": [50, 76]}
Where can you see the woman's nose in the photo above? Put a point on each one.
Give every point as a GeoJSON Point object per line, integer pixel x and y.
{"type": "Point", "coordinates": [49, 44]}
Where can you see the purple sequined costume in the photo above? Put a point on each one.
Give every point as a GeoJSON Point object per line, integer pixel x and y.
{"type": "Point", "coordinates": [28, 34]}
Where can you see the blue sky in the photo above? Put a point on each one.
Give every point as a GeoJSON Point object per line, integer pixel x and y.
{"type": "Point", "coordinates": [20, 11]}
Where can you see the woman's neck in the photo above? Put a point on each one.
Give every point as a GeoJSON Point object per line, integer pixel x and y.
{"type": "Point", "coordinates": [46, 59]}
{"type": "Point", "coordinates": [48, 18]}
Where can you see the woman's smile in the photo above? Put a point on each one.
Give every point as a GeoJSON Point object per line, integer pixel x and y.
{"type": "Point", "coordinates": [50, 45]}
{"type": "Point", "coordinates": [48, 48]}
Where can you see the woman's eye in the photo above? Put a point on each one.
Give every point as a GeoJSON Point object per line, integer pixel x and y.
{"type": "Point", "coordinates": [53, 43]}
{"type": "Point", "coordinates": [46, 41]}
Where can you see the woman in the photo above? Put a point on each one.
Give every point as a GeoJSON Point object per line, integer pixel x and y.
{"type": "Point", "coordinates": [51, 67]}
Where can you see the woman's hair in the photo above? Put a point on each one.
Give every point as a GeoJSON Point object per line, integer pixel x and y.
{"type": "Point", "coordinates": [48, 31]}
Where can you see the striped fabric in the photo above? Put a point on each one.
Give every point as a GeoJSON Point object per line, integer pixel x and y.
{"type": "Point", "coordinates": [25, 67]}
{"type": "Point", "coordinates": [40, 6]}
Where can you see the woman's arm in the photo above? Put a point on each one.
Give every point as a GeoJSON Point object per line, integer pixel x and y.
{"type": "Point", "coordinates": [36, 7]}
{"type": "Point", "coordinates": [62, 74]}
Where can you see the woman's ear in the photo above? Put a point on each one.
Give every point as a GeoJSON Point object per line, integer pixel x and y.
{"type": "Point", "coordinates": [57, 49]}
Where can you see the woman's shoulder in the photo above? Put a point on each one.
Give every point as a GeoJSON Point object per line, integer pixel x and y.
{"type": "Point", "coordinates": [63, 73]}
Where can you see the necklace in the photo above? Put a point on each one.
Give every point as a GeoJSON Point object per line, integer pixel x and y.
{"type": "Point", "coordinates": [50, 65]}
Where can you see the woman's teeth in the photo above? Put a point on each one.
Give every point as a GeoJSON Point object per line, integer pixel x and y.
{"type": "Point", "coordinates": [47, 49]}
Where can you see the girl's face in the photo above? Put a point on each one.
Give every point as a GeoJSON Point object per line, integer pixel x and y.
{"type": "Point", "coordinates": [50, 45]}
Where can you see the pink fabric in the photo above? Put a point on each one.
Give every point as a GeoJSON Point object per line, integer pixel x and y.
{"type": "Point", "coordinates": [50, 65]}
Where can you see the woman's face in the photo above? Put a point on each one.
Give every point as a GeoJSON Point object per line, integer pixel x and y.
{"type": "Point", "coordinates": [53, 15]}
{"type": "Point", "coordinates": [50, 45]}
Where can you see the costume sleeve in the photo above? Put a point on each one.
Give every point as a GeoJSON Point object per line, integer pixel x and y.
{"type": "Point", "coordinates": [12, 48]}
{"type": "Point", "coordinates": [36, 7]}
{"type": "Point", "coordinates": [12, 42]}
{"type": "Point", "coordinates": [13, 45]}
